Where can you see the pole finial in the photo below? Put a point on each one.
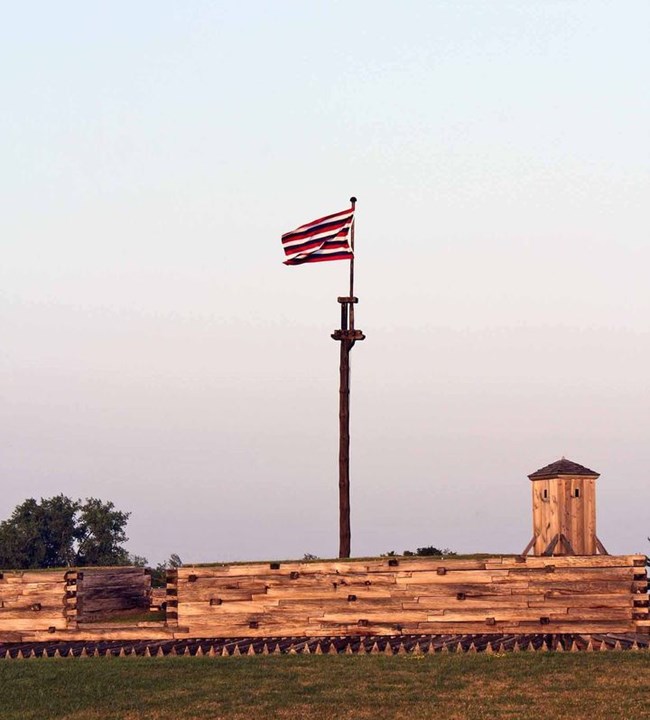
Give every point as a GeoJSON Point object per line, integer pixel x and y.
{"type": "Point", "coordinates": [353, 200]}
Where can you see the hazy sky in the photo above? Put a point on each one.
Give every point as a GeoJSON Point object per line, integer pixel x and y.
{"type": "Point", "coordinates": [157, 353]}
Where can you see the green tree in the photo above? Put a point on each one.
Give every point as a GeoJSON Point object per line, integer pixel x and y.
{"type": "Point", "coordinates": [60, 532]}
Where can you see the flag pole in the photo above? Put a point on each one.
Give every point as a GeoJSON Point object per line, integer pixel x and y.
{"type": "Point", "coordinates": [347, 336]}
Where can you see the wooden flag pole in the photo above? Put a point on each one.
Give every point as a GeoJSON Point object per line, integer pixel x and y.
{"type": "Point", "coordinates": [347, 336]}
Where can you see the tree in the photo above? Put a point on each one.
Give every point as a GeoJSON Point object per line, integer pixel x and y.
{"type": "Point", "coordinates": [60, 532]}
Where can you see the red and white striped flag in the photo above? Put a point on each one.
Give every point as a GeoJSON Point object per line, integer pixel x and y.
{"type": "Point", "coordinates": [320, 240]}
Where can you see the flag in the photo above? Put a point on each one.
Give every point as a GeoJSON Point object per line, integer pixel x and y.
{"type": "Point", "coordinates": [320, 240]}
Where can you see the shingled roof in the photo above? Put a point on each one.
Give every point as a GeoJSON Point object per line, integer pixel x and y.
{"type": "Point", "coordinates": [562, 467]}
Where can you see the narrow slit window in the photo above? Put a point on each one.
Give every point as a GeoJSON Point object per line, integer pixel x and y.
{"type": "Point", "coordinates": [545, 494]}
{"type": "Point", "coordinates": [576, 493]}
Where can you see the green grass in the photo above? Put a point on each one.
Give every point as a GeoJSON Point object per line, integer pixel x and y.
{"type": "Point", "coordinates": [517, 686]}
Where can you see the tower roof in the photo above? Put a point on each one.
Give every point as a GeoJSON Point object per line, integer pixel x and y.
{"type": "Point", "coordinates": [562, 467]}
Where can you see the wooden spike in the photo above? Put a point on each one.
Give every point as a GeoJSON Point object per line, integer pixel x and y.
{"type": "Point", "coordinates": [417, 650]}
{"type": "Point", "coordinates": [617, 645]}
{"type": "Point", "coordinates": [332, 650]}
{"type": "Point", "coordinates": [84, 652]}
{"type": "Point", "coordinates": [471, 648]}
{"type": "Point", "coordinates": [374, 649]}
{"type": "Point", "coordinates": [19, 655]}
{"type": "Point", "coordinates": [544, 647]}
{"type": "Point", "coordinates": [265, 649]}
{"type": "Point", "coordinates": [319, 649]}
{"type": "Point", "coordinates": [147, 652]}
{"type": "Point", "coordinates": [44, 654]}
{"type": "Point", "coordinates": [187, 652]}
{"type": "Point", "coordinates": [212, 652]}
{"type": "Point", "coordinates": [489, 649]}
{"type": "Point", "coordinates": [57, 654]}
{"type": "Point", "coordinates": [362, 648]}
{"type": "Point", "coordinates": [502, 647]}
{"type": "Point", "coordinates": [443, 649]}
{"type": "Point", "coordinates": [122, 653]}
{"type": "Point", "coordinates": [431, 647]}
{"type": "Point", "coordinates": [108, 653]}
{"type": "Point", "coordinates": [590, 646]}
{"type": "Point", "coordinates": [460, 648]}
{"type": "Point", "coordinates": [401, 650]}
{"type": "Point", "coordinates": [251, 650]}
{"type": "Point", "coordinates": [199, 652]}
{"type": "Point", "coordinates": [634, 646]}
{"type": "Point", "coordinates": [306, 650]}
{"type": "Point", "coordinates": [348, 649]}
{"type": "Point", "coordinates": [515, 647]}
{"type": "Point", "coordinates": [236, 651]}
{"type": "Point", "coordinates": [292, 650]}
{"type": "Point", "coordinates": [32, 654]}
{"type": "Point", "coordinates": [96, 651]}
{"type": "Point", "coordinates": [277, 650]}
{"type": "Point", "coordinates": [388, 650]}
{"type": "Point", "coordinates": [574, 647]}
{"type": "Point", "coordinates": [558, 646]}
{"type": "Point", "coordinates": [603, 646]}
{"type": "Point", "coordinates": [173, 651]}
{"type": "Point", "coordinates": [224, 652]}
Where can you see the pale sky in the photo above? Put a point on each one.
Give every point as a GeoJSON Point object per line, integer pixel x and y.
{"type": "Point", "coordinates": [157, 353]}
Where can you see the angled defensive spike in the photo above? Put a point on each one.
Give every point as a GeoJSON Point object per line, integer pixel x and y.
{"type": "Point", "coordinates": [251, 650]}
{"type": "Point", "coordinates": [515, 647]}
{"type": "Point", "coordinates": [603, 646]}
{"type": "Point", "coordinates": [122, 653]}
{"type": "Point", "coordinates": [84, 652]}
{"type": "Point", "coordinates": [173, 651]}
{"type": "Point", "coordinates": [401, 650]}
{"type": "Point", "coordinates": [277, 650]}
{"type": "Point", "coordinates": [431, 648]}
{"type": "Point", "coordinates": [161, 652]}
{"type": "Point", "coordinates": [32, 654]}
{"type": "Point", "coordinates": [472, 648]}
{"type": "Point", "coordinates": [332, 649]}
{"type": "Point", "coordinates": [318, 650]}
{"type": "Point", "coordinates": [108, 653]}
{"type": "Point", "coordinates": [488, 649]}
{"type": "Point", "coordinates": [199, 652]}
{"type": "Point", "coordinates": [187, 652]}
{"type": "Point", "coordinates": [374, 649]}
{"type": "Point", "coordinates": [306, 650]}
{"type": "Point", "coordinates": [348, 649]}
{"type": "Point", "coordinates": [19, 655]}
{"type": "Point", "coordinates": [44, 653]}
{"type": "Point", "coordinates": [236, 651]}
{"type": "Point", "coordinates": [147, 652]}
{"type": "Point", "coordinates": [292, 649]}
{"type": "Point", "coordinates": [265, 649]}
{"type": "Point", "coordinates": [617, 645]}
{"type": "Point", "coordinates": [634, 646]}
{"type": "Point", "coordinates": [443, 649]}
{"type": "Point", "coordinates": [544, 647]}
{"type": "Point", "coordinates": [558, 646]}
{"type": "Point", "coordinates": [574, 647]}
{"type": "Point", "coordinates": [224, 652]}
{"type": "Point", "coordinates": [417, 650]}
{"type": "Point", "coordinates": [57, 654]}
{"type": "Point", "coordinates": [211, 652]}
{"type": "Point", "coordinates": [96, 651]}
{"type": "Point", "coordinates": [590, 646]}
{"type": "Point", "coordinates": [460, 648]}
{"type": "Point", "coordinates": [502, 647]}
{"type": "Point", "coordinates": [388, 650]}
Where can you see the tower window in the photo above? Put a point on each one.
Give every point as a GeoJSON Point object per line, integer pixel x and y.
{"type": "Point", "coordinates": [576, 492]}
{"type": "Point", "coordinates": [545, 494]}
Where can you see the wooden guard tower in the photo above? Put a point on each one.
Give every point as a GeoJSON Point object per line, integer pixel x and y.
{"type": "Point", "coordinates": [564, 510]}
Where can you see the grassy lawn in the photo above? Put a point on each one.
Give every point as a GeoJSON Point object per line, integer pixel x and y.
{"type": "Point", "coordinates": [519, 686]}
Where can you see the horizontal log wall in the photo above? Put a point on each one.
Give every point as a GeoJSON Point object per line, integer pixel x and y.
{"type": "Point", "coordinates": [585, 594]}
{"type": "Point", "coordinates": [34, 600]}
{"type": "Point", "coordinates": [102, 592]}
